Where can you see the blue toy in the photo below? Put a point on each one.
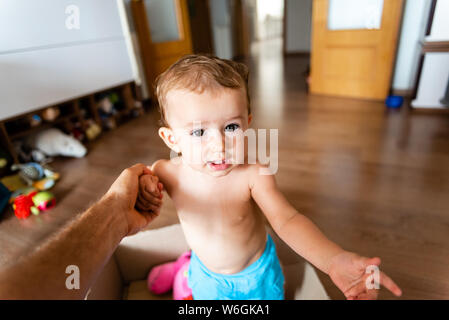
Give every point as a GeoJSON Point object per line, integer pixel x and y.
{"type": "Point", "coordinates": [394, 102]}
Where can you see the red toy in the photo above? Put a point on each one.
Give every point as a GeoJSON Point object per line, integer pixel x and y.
{"type": "Point", "coordinates": [33, 202]}
{"type": "Point", "coordinates": [23, 204]}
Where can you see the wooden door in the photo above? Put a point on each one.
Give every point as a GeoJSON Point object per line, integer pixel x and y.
{"type": "Point", "coordinates": [354, 62]}
{"type": "Point", "coordinates": [240, 29]}
{"type": "Point", "coordinates": [200, 25]}
{"type": "Point", "coordinates": [163, 32]}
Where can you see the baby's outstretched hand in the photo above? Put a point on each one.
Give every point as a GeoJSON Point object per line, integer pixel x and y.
{"type": "Point", "coordinates": [353, 275]}
{"type": "Point", "coordinates": [150, 194]}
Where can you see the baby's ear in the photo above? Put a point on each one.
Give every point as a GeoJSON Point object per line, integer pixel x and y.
{"type": "Point", "coordinates": [167, 135]}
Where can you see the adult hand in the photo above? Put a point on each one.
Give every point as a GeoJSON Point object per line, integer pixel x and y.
{"type": "Point", "coordinates": [122, 195]}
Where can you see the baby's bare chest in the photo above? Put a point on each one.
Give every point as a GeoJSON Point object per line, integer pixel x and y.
{"type": "Point", "coordinates": [226, 201]}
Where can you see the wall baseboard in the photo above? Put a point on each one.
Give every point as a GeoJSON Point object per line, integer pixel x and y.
{"type": "Point", "coordinates": [408, 93]}
{"type": "Point", "coordinates": [297, 53]}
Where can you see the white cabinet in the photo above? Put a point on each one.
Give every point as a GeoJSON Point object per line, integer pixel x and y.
{"type": "Point", "coordinates": [43, 62]}
{"type": "Point", "coordinates": [27, 24]}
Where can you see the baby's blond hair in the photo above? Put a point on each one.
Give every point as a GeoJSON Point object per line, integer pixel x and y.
{"type": "Point", "coordinates": [197, 73]}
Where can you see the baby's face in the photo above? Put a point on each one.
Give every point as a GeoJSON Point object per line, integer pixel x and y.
{"type": "Point", "coordinates": [207, 128]}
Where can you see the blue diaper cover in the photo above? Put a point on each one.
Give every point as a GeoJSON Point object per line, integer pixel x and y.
{"type": "Point", "coordinates": [262, 280]}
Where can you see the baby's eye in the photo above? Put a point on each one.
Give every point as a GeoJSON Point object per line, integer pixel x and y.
{"type": "Point", "coordinates": [197, 133]}
{"type": "Point", "coordinates": [231, 127]}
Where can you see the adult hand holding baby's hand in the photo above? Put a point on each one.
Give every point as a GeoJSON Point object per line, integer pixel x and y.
{"type": "Point", "coordinates": [349, 273]}
{"type": "Point", "coordinates": [122, 197]}
{"type": "Point", "coordinates": [150, 194]}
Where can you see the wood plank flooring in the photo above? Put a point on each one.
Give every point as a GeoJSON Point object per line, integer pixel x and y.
{"type": "Point", "coordinates": [375, 181]}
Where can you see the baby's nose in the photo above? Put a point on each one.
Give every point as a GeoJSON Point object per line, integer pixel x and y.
{"type": "Point", "coordinates": [216, 140]}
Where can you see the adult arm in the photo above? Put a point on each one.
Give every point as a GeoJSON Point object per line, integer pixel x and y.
{"type": "Point", "coordinates": [87, 242]}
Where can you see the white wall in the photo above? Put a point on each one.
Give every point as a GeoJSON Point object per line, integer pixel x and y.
{"type": "Point", "coordinates": [299, 25]}
{"type": "Point", "coordinates": [433, 81]}
{"type": "Point", "coordinates": [414, 23]}
{"type": "Point", "coordinates": [221, 28]}
{"type": "Point", "coordinates": [440, 23]}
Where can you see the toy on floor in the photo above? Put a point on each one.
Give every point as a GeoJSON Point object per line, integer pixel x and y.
{"type": "Point", "coordinates": [54, 142]}
{"type": "Point", "coordinates": [25, 152]}
{"type": "Point", "coordinates": [13, 182]}
{"type": "Point", "coordinates": [41, 177]}
{"type": "Point", "coordinates": [33, 202]}
{"type": "Point", "coordinates": [171, 275]}
{"type": "Point", "coordinates": [394, 102]}
{"type": "Point", "coordinates": [93, 130]}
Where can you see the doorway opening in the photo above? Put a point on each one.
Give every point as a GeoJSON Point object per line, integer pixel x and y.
{"type": "Point", "coordinates": [266, 24]}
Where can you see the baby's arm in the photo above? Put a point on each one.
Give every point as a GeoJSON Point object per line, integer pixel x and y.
{"type": "Point", "coordinates": [346, 269]}
{"type": "Point", "coordinates": [301, 234]}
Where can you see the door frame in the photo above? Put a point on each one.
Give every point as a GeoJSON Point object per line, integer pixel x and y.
{"type": "Point", "coordinates": [149, 53]}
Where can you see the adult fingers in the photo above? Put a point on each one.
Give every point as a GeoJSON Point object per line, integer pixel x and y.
{"type": "Point", "coordinates": [150, 216]}
{"type": "Point", "coordinates": [139, 169]}
{"type": "Point", "coordinates": [146, 206]}
{"type": "Point", "coordinates": [150, 197]}
{"type": "Point", "coordinates": [142, 205]}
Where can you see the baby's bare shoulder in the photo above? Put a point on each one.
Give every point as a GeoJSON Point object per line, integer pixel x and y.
{"type": "Point", "coordinates": [253, 169]}
{"type": "Point", "coordinates": [249, 172]}
{"type": "Point", "coordinates": [166, 170]}
{"type": "Point", "coordinates": [258, 173]}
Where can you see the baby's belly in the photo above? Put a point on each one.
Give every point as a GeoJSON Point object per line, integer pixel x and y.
{"type": "Point", "coordinates": [224, 248]}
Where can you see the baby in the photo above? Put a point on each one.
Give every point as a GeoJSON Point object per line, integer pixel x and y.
{"type": "Point", "coordinates": [222, 201]}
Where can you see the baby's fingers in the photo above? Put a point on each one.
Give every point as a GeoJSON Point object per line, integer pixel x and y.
{"type": "Point", "coordinates": [390, 284]}
{"type": "Point", "coordinates": [150, 183]}
{"type": "Point", "coordinates": [156, 200]}
{"type": "Point", "coordinates": [355, 290]}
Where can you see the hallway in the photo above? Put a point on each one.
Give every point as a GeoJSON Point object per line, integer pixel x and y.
{"type": "Point", "coordinates": [374, 181]}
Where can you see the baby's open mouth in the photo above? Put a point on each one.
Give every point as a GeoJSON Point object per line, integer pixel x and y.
{"type": "Point", "coordinates": [218, 164]}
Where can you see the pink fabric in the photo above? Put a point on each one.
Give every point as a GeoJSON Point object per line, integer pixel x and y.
{"type": "Point", "coordinates": [171, 275]}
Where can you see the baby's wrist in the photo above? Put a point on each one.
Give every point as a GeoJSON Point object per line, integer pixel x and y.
{"type": "Point", "coordinates": [331, 261]}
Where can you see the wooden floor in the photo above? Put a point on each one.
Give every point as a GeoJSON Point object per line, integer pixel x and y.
{"type": "Point", "coordinates": [376, 182]}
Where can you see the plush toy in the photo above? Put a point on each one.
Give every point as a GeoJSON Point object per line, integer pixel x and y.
{"type": "Point", "coordinates": [171, 275]}
{"type": "Point", "coordinates": [41, 177]}
{"type": "Point", "coordinates": [35, 120]}
{"type": "Point", "coordinates": [22, 206]}
{"type": "Point", "coordinates": [50, 114]}
{"type": "Point", "coordinates": [29, 172]}
{"type": "Point", "coordinates": [33, 202]}
{"type": "Point", "coordinates": [54, 142]}
{"type": "Point", "coordinates": [44, 200]}
{"type": "Point", "coordinates": [93, 130]}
